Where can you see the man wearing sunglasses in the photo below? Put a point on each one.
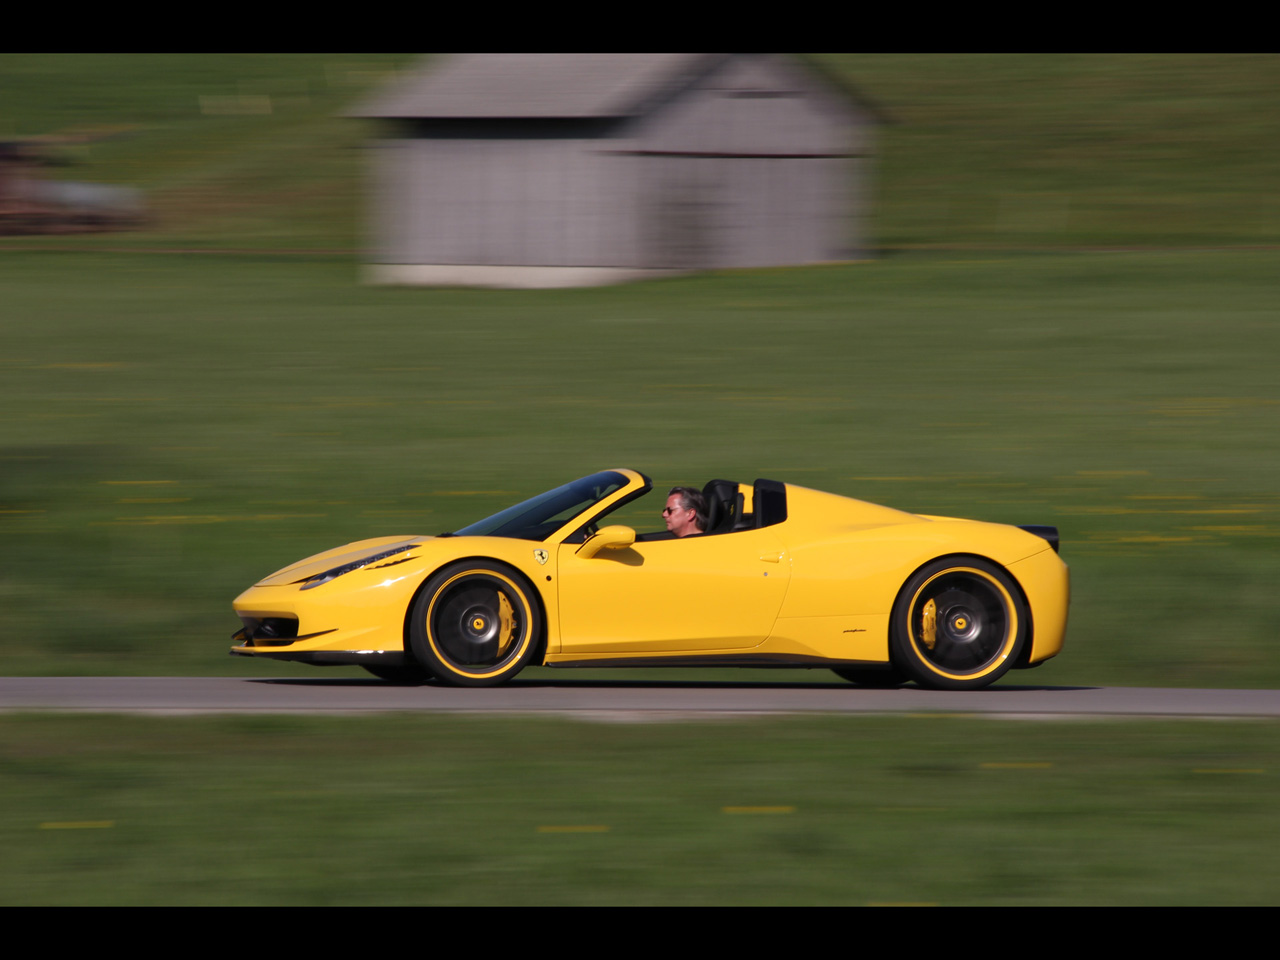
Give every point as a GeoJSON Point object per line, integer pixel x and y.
{"type": "Point", "coordinates": [685, 512]}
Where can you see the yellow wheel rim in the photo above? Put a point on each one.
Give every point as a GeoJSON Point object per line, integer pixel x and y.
{"type": "Point", "coordinates": [478, 623]}
{"type": "Point", "coordinates": [963, 623]}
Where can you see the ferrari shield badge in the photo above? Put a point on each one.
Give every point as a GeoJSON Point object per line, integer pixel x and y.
{"type": "Point", "coordinates": [540, 555]}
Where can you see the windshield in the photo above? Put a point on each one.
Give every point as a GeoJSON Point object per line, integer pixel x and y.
{"type": "Point", "coordinates": [546, 513]}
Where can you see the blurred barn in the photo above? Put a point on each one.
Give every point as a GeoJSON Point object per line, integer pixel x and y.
{"type": "Point", "coordinates": [542, 170]}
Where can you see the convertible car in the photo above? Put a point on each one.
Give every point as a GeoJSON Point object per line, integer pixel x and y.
{"type": "Point", "coordinates": [782, 576]}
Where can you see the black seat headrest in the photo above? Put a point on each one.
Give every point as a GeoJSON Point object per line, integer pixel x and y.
{"type": "Point", "coordinates": [723, 505]}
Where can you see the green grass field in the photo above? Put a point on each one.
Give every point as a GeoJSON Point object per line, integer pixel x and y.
{"type": "Point", "coordinates": [418, 810]}
{"type": "Point", "coordinates": [176, 426]}
{"type": "Point", "coordinates": [1073, 322]}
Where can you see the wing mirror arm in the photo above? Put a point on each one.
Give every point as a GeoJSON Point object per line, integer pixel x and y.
{"type": "Point", "coordinates": [607, 538]}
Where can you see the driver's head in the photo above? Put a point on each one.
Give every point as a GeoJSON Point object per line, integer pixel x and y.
{"type": "Point", "coordinates": [686, 511]}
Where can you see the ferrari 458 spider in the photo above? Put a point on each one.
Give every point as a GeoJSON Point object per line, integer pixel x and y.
{"type": "Point", "coordinates": [782, 576]}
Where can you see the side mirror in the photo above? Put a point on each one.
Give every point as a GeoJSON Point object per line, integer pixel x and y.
{"type": "Point", "coordinates": [607, 538]}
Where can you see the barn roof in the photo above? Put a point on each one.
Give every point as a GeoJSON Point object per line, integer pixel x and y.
{"type": "Point", "coordinates": [538, 85]}
{"type": "Point", "coordinates": [533, 85]}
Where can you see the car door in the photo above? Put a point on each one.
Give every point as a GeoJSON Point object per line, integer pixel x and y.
{"type": "Point", "coordinates": [693, 594]}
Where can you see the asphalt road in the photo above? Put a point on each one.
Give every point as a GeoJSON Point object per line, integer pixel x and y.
{"type": "Point", "coordinates": [617, 700]}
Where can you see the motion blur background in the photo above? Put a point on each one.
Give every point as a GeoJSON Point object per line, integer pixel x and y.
{"type": "Point", "coordinates": [1069, 319]}
{"type": "Point", "coordinates": [1066, 314]}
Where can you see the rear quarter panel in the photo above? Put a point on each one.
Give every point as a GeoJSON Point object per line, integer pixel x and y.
{"type": "Point", "coordinates": [849, 559]}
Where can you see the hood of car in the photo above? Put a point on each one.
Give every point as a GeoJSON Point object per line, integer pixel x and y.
{"type": "Point", "coordinates": [338, 556]}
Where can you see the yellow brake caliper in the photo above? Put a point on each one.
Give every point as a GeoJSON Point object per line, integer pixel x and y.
{"type": "Point", "coordinates": [506, 623]}
{"type": "Point", "coordinates": [930, 626]}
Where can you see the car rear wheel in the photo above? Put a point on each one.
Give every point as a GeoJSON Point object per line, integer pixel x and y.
{"type": "Point", "coordinates": [399, 673]}
{"type": "Point", "coordinates": [475, 624]}
{"type": "Point", "coordinates": [958, 624]}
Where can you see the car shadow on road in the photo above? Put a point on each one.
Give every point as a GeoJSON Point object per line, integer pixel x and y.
{"type": "Point", "coordinates": [597, 684]}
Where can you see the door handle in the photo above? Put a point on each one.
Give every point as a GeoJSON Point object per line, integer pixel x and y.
{"type": "Point", "coordinates": [771, 557]}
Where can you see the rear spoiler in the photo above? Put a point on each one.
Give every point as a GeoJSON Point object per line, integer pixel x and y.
{"type": "Point", "coordinates": [1047, 533]}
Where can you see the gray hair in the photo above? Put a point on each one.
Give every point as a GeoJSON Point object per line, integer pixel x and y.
{"type": "Point", "coordinates": [692, 499]}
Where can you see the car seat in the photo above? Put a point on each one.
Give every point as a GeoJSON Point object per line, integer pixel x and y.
{"type": "Point", "coordinates": [724, 505]}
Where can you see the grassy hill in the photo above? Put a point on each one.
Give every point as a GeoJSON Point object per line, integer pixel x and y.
{"type": "Point", "coordinates": [1076, 150]}
{"type": "Point", "coordinates": [240, 151]}
{"type": "Point", "coordinates": [980, 151]}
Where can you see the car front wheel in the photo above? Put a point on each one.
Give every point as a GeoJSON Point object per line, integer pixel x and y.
{"type": "Point", "coordinates": [475, 624]}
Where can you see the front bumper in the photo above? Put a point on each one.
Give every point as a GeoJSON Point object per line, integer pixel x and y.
{"type": "Point", "coordinates": [320, 626]}
{"type": "Point", "coordinates": [322, 658]}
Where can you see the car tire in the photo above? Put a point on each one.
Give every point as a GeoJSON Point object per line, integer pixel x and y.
{"type": "Point", "coordinates": [865, 677]}
{"type": "Point", "coordinates": [399, 673]}
{"type": "Point", "coordinates": [958, 624]}
{"type": "Point", "coordinates": [475, 624]}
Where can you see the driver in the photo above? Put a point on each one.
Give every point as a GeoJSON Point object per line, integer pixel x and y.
{"type": "Point", "coordinates": [685, 512]}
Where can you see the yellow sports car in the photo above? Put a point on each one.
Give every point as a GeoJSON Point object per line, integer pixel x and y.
{"type": "Point", "coordinates": [774, 575]}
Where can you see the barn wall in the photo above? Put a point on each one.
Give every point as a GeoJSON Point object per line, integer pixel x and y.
{"type": "Point", "coordinates": [752, 166]}
{"type": "Point", "coordinates": [502, 199]}
{"type": "Point", "coordinates": [755, 164]}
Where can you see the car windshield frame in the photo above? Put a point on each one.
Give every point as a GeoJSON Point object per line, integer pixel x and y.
{"type": "Point", "coordinates": [539, 517]}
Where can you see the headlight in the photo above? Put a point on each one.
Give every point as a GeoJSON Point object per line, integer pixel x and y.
{"type": "Point", "coordinates": [336, 572]}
